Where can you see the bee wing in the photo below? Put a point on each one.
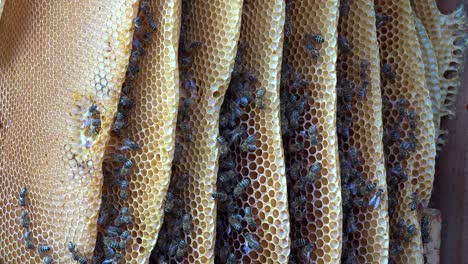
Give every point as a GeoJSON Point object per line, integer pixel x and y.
{"type": "Point", "coordinates": [246, 248]}
{"type": "Point", "coordinates": [373, 201]}
{"type": "Point", "coordinates": [377, 202]}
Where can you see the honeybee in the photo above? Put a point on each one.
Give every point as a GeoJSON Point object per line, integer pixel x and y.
{"type": "Point", "coordinates": [313, 135]}
{"type": "Point", "coordinates": [295, 147]}
{"type": "Point", "coordinates": [414, 201]}
{"type": "Point", "coordinates": [371, 186]}
{"type": "Point", "coordinates": [344, 8]}
{"type": "Point", "coordinates": [137, 22]}
{"type": "Point", "coordinates": [25, 219]}
{"type": "Point", "coordinates": [220, 196]}
{"type": "Point", "coordinates": [381, 20]}
{"type": "Point", "coordinates": [252, 242]}
{"type": "Point", "coordinates": [71, 247]}
{"type": "Point", "coordinates": [227, 176]}
{"type": "Point", "coordinates": [151, 23]}
{"type": "Point", "coordinates": [48, 260]}
{"type": "Point", "coordinates": [129, 144]}
{"type": "Point", "coordinates": [412, 119]}
{"type": "Point", "coordinates": [343, 44]}
{"type": "Point", "coordinates": [363, 68]}
{"type": "Point", "coordinates": [249, 217]}
{"type": "Point", "coordinates": [300, 242]}
{"type": "Point", "coordinates": [375, 200]}
{"type": "Point", "coordinates": [241, 187]}
{"type": "Point", "coordinates": [306, 251]}
{"type": "Point", "coordinates": [259, 98]}
{"type": "Point", "coordinates": [187, 224]}
{"type": "Point", "coordinates": [231, 259]}
{"type": "Point", "coordinates": [248, 144]}
{"type": "Point", "coordinates": [404, 147]}
{"type": "Point", "coordinates": [362, 92]}
{"type": "Point", "coordinates": [299, 201]}
{"type": "Point", "coordinates": [387, 71]}
{"type": "Point", "coordinates": [351, 225]}
{"type": "Point", "coordinates": [41, 249]}
{"type": "Point", "coordinates": [28, 240]}
{"type": "Point", "coordinates": [181, 248]}
{"type": "Point", "coordinates": [123, 217]}
{"type": "Point", "coordinates": [234, 221]}
{"type": "Point", "coordinates": [23, 192]}
{"type": "Point", "coordinates": [317, 38]}
{"type": "Point", "coordinates": [236, 134]}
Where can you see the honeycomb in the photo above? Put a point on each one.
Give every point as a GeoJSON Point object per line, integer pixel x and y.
{"type": "Point", "coordinates": [259, 58]}
{"type": "Point", "coordinates": [408, 127]}
{"type": "Point", "coordinates": [431, 72]}
{"type": "Point", "coordinates": [151, 124]}
{"type": "Point", "coordinates": [365, 229]}
{"type": "Point", "coordinates": [58, 59]}
{"type": "Point", "coordinates": [447, 34]}
{"type": "Point", "coordinates": [308, 99]}
{"type": "Point", "coordinates": [2, 4]}
{"type": "Point", "coordinates": [215, 25]}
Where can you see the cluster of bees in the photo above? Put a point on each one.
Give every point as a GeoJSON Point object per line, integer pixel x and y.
{"type": "Point", "coordinates": [177, 226]}
{"type": "Point", "coordinates": [233, 218]}
{"type": "Point", "coordinates": [91, 125]}
{"type": "Point", "coordinates": [356, 192]}
{"type": "Point", "coordinates": [42, 249]}
{"type": "Point", "coordinates": [299, 137]}
{"type": "Point", "coordinates": [113, 223]}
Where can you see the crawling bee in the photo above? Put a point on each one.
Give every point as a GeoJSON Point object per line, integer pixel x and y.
{"type": "Point", "coordinates": [363, 68]}
{"type": "Point", "coordinates": [22, 196]}
{"type": "Point", "coordinates": [252, 242]}
{"type": "Point", "coordinates": [248, 144]}
{"type": "Point", "coordinates": [354, 156]}
{"type": "Point", "coordinates": [295, 147]}
{"type": "Point", "coordinates": [82, 260]}
{"type": "Point", "coordinates": [187, 130]}
{"type": "Point", "coordinates": [313, 172]}
{"type": "Point", "coordinates": [387, 71]}
{"type": "Point", "coordinates": [343, 44]}
{"type": "Point", "coordinates": [299, 201]}
{"type": "Point", "coordinates": [129, 144]}
{"type": "Point", "coordinates": [236, 134]}
{"type": "Point", "coordinates": [404, 148]}
{"type": "Point", "coordinates": [344, 8]}
{"type": "Point", "coordinates": [28, 240]}
{"type": "Point", "coordinates": [414, 201]}
{"type": "Point", "coordinates": [112, 243]}
{"type": "Point", "coordinates": [181, 248]}
{"type": "Point", "coordinates": [412, 119]}
{"type": "Point", "coordinates": [300, 242]}
{"type": "Point", "coordinates": [241, 187]}
{"type": "Point", "coordinates": [375, 200]}
{"type": "Point", "coordinates": [259, 98]}
{"type": "Point", "coordinates": [187, 224]}
{"type": "Point", "coordinates": [249, 217]}
{"type": "Point", "coordinates": [137, 22]}
{"type": "Point", "coordinates": [234, 221]}
{"type": "Point", "coordinates": [41, 249]}
{"type": "Point", "coordinates": [314, 53]}
{"type": "Point", "coordinates": [313, 135]}
{"type": "Point", "coordinates": [317, 38]}
{"type": "Point", "coordinates": [306, 251]}
{"type": "Point", "coordinates": [412, 142]}
{"type": "Point", "coordinates": [226, 176]}
{"type": "Point", "coordinates": [151, 23]}
{"type": "Point", "coordinates": [371, 186]}
{"type": "Point", "coordinates": [123, 217]}
{"type": "Point", "coordinates": [71, 247]}
{"type": "Point", "coordinates": [231, 259]}
{"type": "Point", "coordinates": [220, 196]}
{"type": "Point", "coordinates": [48, 260]}
{"type": "Point", "coordinates": [381, 20]}
{"type": "Point", "coordinates": [351, 225]}
{"type": "Point", "coordinates": [25, 219]}
{"type": "Point", "coordinates": [123, 193]}
{"type": "Point", "coordinates": [362, 92]}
